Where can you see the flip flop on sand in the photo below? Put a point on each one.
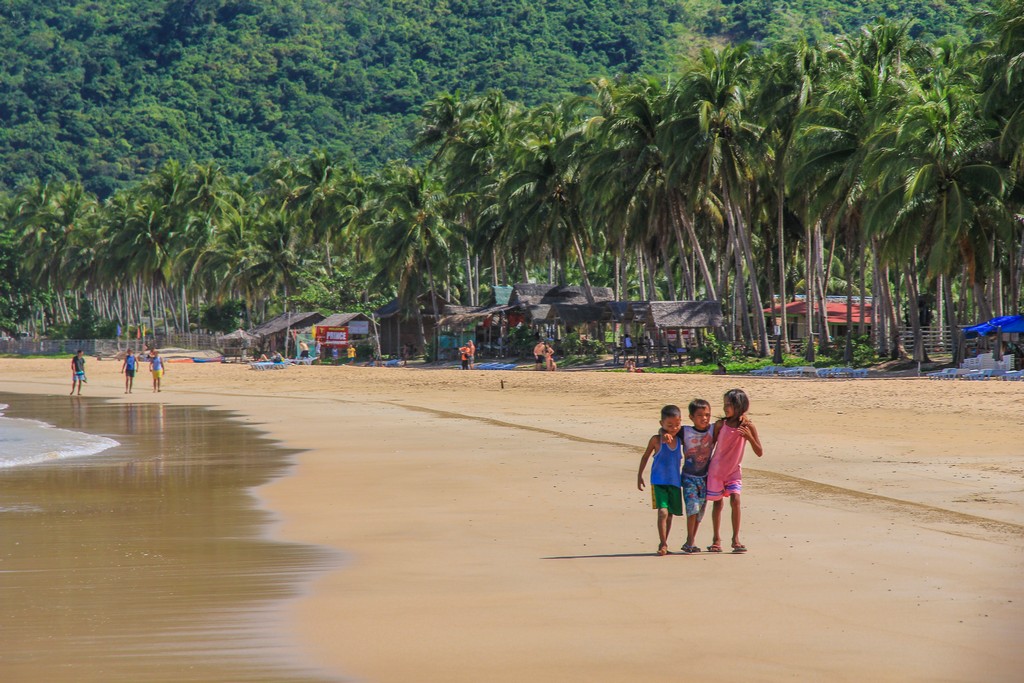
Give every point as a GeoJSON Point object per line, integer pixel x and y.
{"type": "Point", "coordinates": [690, 549]}
{"type": "Point", "coordinates": [739, 548]}
{"type": "Point", "coordinates": [715, 548]}
{"type": "Point", "coordinates": [663, 549]}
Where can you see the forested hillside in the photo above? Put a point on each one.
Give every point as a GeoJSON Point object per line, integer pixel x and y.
{"type": "Point", "coordinates": [103, 92]}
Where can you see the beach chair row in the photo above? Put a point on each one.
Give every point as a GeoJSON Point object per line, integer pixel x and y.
{"type": "Point", "coordinates": [496, 366]}
{"type": "Point", "coordinates": [983, 374]}
{"type": "Point", "coordinates": [834, 373]}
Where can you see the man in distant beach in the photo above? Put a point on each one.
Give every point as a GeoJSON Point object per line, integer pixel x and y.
{"type": "Point", "coordinates": [304, 349]}
{"type": "Point", "coordinates": [128, 370]}
{"type": "Point", "coordinates": [539, 355]}
{"type": "Point", "coordinates": [464, 356]}
{"type": "Point", "coordinates": [471, 345]}
{"type": "Point", "coordinates": [351, 354]}
{"type": "Point", "coordinates": [78, 371]}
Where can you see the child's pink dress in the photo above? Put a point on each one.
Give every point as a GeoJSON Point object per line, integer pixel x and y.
{"type": "Point", "coordinates": [724, 473]}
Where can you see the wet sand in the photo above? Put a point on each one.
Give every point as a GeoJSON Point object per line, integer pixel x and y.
{"type": "Point", "coordinates": [495, 532]}
{"type": "Point", "coordinates": [149, 561]}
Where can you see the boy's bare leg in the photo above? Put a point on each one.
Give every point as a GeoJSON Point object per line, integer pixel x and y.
{"type": "Point", "coordinates": [692, 522]}
{"type": "Point", "coordinates": [734, 503]}
{"type": "Point", "coordinates": [664, 527]}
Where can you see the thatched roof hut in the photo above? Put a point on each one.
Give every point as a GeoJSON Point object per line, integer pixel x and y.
{"type": "Point", "coordinates": [285, 321]}
{"type": "Point", "coordinates": [560, 302]}
{"type": "Point", "coordinates": [272, 334]}
{"type": "Point", "coordinates": [342, 319]}
{"type": "Point", "coordinates": [680, 314]}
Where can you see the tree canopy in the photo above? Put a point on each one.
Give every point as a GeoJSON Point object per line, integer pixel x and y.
{"type": "Point", "coordinates": [103, 93]}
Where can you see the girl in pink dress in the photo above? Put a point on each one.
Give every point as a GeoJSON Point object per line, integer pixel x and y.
{"type": "Point", "coordinates": [724, 474]}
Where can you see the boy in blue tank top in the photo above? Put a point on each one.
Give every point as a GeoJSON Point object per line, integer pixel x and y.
{"type": "Point", "coordinates": [666, 472]}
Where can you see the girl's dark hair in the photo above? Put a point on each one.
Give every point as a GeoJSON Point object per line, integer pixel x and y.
{"type": "Point", "coordinates": [696, 404]}
{"type": "Point", "coordinates": [671, 411]}
{"type": "Point", "coordinates": [737, 398]}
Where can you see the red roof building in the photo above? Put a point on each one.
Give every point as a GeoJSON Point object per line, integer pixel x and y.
{"type": "Point", "coordinates": [796, 317]}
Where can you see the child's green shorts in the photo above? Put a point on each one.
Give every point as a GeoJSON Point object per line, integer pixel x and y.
{"type": "Point", "coordinates": [665, 496]}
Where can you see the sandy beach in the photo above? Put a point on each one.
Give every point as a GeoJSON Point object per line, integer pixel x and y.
{"type": "Point", "coordinates": [492, 528]}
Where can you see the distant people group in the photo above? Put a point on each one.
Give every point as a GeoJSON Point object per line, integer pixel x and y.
{"type": "Point", "coordinates": [544, 356]}
{"type": "Point", "coordinates": [698, 463]}
{"type": "Point", "coordinates": [129, 367]}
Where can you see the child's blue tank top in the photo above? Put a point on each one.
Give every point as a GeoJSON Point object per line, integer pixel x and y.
{"type": "Point", "coordinates": [667, 465]}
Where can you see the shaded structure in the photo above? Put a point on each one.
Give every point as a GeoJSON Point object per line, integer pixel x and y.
{"type": "Point", "coordinates": [662, 330]}
{"type": "Point", "coordinates": [399, 324]}
{"type": "Point", "coordinates": [236, 344]}
{"type": "Point", "coordinates": [272, 335]}
{"type": "Point", "coordinates": [564, 305]}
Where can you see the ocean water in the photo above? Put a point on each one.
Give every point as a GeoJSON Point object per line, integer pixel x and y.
{"type": "Point", "coordinates": [29, 442]}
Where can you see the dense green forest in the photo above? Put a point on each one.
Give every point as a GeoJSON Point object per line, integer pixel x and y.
{"type": "Point", "coordinates": [104, 92]}
{"type": "Point", "coordinates": [872, 165]}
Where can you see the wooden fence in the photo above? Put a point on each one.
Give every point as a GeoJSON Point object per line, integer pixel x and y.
{"type": "Point", "coordinates": [105, 347]}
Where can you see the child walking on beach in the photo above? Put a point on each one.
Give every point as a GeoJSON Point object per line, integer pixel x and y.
{"type": "Point", "coordinates": [78, 371]}
{"type": "Point", "coordinates": [732, 434]}
{"type": "Point", "coordinates": [666, 478]}
{"type": "Point", "coordinates": [698, 442]}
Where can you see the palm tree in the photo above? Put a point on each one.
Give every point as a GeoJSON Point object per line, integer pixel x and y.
{"type": "Point", "coordinates": [789, 76]}
{"type": "Point", "coordinates": [405, 222]}
{"type": "Point", "coordinates": [714, 139]}
{"type": "Point", "coordinates": [541, 194]}
{"type": "Point", "coordinates": [936, 188]}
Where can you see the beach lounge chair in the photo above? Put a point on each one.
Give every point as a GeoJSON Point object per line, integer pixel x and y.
{"type": "Point", "coordinates": [948, 373]}
{"type": "Point", "coordinates": [983, 374]}
{"type": "Point", "coordinates": [303, 361]}
{"type": "Point", "coordinates": [802, 371]}
{"type": "Point", "coordinates": [767, 370]}
{"type": "Point", "coordinates": [1013, 376]}
{"type": "Point", "coordinates": [828, 372]}
{"type": "Point", "coordinates": [267, 365]}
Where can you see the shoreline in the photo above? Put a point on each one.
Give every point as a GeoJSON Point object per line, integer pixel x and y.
{"type": "Point", "coordinates": [153, 547]}
{"type": "Point", "coordinates": [509, 542]}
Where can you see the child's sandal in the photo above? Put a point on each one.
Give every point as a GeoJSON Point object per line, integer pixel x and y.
{"type": "Point", "coordinates": [715, 548]}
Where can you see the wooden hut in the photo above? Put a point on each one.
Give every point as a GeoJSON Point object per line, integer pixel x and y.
{"type": "Point", "coordinates": [398, 325]}
{"type": "Point", "coordinates": [487, 326]}
{"type": "Point", "coordinates": [272, 335]}
{"type": "Point", "coordinates": [665, 327]}
{"type": "Point", "coordinates": [560, 305]}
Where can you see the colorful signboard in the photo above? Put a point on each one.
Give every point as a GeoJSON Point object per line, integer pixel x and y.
{"type": "Point", "coordinates": [332, 336]}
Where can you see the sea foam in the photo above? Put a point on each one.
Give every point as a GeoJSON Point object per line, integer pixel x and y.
{"type": "Point", "coordinates": [29, 442]}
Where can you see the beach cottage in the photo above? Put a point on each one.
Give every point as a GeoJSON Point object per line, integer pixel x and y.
{"type": "Point", "coordinates": [272, 336]}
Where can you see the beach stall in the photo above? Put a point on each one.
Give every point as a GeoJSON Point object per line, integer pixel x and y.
{"type": "Point", "coordinates": [487, 326]}
{"type": "Point", "coordinates": [235, 345]}
{"type": "Point", "coordinates": [335, 333]}
{"type": "Point", "coordinates": [273, 335]}
{"type": "Point", "coordinates": [669, 326]}
{"type": "Point", "coordinates": [551, 309]}
{"type": "Point", "coordinates": [399, 324]}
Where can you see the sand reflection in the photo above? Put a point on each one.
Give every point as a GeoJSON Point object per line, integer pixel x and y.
{"type": "Point", "coordinates": [147, 562]}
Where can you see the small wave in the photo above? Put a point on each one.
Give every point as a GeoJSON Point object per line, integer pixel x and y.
{"type": "Point", "coordinates": [30, 442]}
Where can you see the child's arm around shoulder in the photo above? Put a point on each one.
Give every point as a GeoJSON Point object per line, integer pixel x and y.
{"type": "Point", "coordinates": [652, 445]}
{"type": "Point", "coordinates": [716, 428]}
{"type": "Point", "coordinates": [749, 432]}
